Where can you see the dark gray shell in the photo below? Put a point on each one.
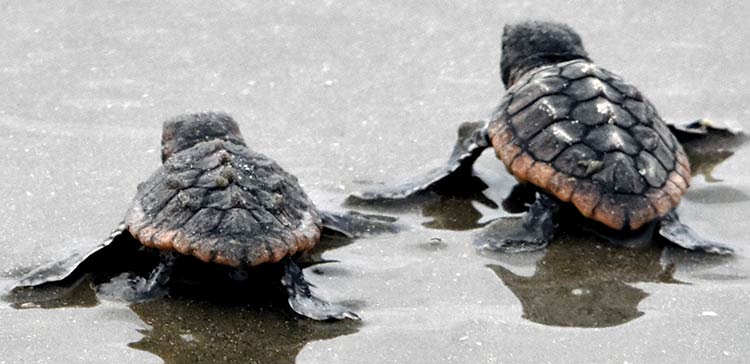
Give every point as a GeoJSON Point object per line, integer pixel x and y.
{"type": "Point", "coordinates": [583, 134]}
{"type": "Point", "coordinates": [222, 202]}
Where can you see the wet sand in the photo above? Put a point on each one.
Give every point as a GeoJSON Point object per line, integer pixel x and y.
{"type": "Point", "coordinates": [344, 95]}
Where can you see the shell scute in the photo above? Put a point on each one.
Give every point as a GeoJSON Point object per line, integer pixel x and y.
{"type": "Point", "coordinates": [535, 90]}
{"type": "Point", "coordinates": [546, 145]}
{"type": "Point", "coordinates": [577, 160]}
{"type": "Point", "coordinates": [578, 69]}
{"type": "Point", "coordinates": [539, 115]}
{"type": "Point", "coordinates": [610, 137]}
{"type": "Point", "coordinates": [611, 212]}
{"type": "Point", "coordinates": [619, 175]}
{"type": "Point", "coordinates": [589, 87]}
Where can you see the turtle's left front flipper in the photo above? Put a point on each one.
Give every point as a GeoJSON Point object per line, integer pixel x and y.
{"type": "Point", "coordinates": [304, 302]}
{"type": "Point", "coordinates": [58, 271]}
{"type": "Point", "coordinates": [683, 236]}
{"type": "Point", "coordinates": [354, 224]}
{"type": "Point", "coordinates": [453, 176]}
{"type": "Point", "coordinates": [707, 145]}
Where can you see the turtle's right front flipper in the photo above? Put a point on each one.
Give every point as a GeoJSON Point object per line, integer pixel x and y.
{"type": "Point", "coordinates": [58, 271]}
{"type": "Point", "coordinates": [453, 176]}
{"type": "Point", "coordinates": [304, 302]}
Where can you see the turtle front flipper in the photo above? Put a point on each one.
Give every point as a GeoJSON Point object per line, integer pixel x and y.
{"type": "Point", "coordinates": [683, 236]}
{"type": "Point", "coordinates": [353, 224]}
{"type": "Point", "coordinates": [707, 145]}
{"type": "Point", "coordinates": [450, 178]}
{"type": "Point", "coordinates": [304, 302]}
{"type": "Point", "coordinates": [71, 266]}
{"type": "Point", "coordinates": [535, 231]}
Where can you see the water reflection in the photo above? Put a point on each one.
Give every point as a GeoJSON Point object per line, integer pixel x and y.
{"type": "Point", "coordinates": [578, 283]}
{"type": "Point", "coordinates": [212, 319]}
{"type": "Point", "coordinates": [456, 213]}
{"type": "Point", "coordinates": [704, 163]}
{"type": "Point", "coordinates": [200, 331]}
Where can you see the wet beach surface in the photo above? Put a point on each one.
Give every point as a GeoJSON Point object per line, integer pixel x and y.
{"type": "Point", "coordinates": [345, 95]}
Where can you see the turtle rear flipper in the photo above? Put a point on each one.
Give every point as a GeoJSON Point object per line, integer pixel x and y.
{"type": "Point", "coordinates": [472, 141]}
{"type": "Point", "coordinates": [71, 266]}
{"type": "Point", "coordinates": [535, 231]}
{"type": "Point", "coordinates": [683, 236]}
{"type": "Point", "coordinates": [304, 302]}
{"type": "Point", "coordinates": [354, 224]}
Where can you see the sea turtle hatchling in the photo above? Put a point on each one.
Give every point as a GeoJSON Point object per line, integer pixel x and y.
{"type": "Point", "coordinates": [216, 200]}
{"type": "Point", "coordinates": [575, 134]}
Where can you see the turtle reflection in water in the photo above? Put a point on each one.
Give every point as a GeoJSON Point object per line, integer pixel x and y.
{"type": "Point", "coordinates": [595, 292]}
{"type": "Point", "coordinates": [197, 332]}
{"type": "Point", "coordinates": [215, 320]}
{"type": "Point", "coordinates": [215, 201]}
{"type": "Point", "coordinates": [581, 139]}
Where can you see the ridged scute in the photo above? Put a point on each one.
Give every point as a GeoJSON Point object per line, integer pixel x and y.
{"type": "Point", "coordinates": [603, 144]}
{"type": "Point", "coordinates": [221, 202]}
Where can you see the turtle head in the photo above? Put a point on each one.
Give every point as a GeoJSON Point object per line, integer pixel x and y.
{"type": "Point", "coordinates": [184, 131]}
{"type": "Point", "coordinates": [531, 44]}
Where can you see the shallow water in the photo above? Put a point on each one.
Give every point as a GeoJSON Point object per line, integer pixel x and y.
{"type": "Point", "coordinates": [343, 95]}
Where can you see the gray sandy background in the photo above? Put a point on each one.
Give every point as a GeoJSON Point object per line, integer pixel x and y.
{"type": "Point", "coordinates": [343, 94]}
